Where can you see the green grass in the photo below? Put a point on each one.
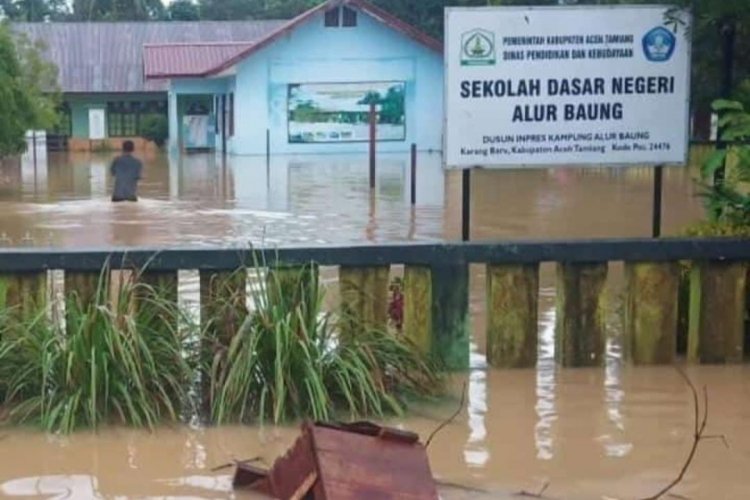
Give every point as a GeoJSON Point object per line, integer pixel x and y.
{"type": "Point", "coordinates": [119, 363]}
{"type": "Point", "coordinates": [290, 360]}
{"type": "Point", "coordinates": [128, 361]}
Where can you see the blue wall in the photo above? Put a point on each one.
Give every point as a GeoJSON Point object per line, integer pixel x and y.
{"type": "Point", "coordinates": [313, 53]}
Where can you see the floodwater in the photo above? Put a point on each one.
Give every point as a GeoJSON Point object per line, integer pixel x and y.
{"type": "Point", "coordinates": [614, 432]}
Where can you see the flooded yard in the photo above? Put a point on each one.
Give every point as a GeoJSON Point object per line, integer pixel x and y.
{"type": "Point", "coordinates": [616, 432]}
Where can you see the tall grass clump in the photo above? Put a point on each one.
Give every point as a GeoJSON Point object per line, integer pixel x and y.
{"type": "Point", "coordinates": [291, 359]}
{"type": "Point", "coordinates": [118, 359]}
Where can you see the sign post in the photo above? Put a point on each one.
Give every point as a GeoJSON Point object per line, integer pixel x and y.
{"type": "Point", "coordinates": [656, 219]}
{"type": "Point", "coordinates": [537, 87]}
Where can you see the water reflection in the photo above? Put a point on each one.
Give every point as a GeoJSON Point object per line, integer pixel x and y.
{"type": "Point", "coordinates": [545, 383]}
{"type": "Point", "coordinates": [53, 487]}
{"type": "Point", "coordinates": [475, 451]}
{"type": "Point", "coordinates": [615, 444]}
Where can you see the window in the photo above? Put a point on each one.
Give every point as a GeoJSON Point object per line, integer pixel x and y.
{"type": "Point", "coordinates": [332, 18]}
{"type": "Point", "coordinates": [65, 124]}
{"type": "Point", "coordinates": [350, 17]}
{"type": "Point", "coordinates": [124, 118]}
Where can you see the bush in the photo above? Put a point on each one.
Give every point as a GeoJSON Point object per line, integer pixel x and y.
{"type": "Point", "coordinates": [708, 229]}
{"type": "Point", "coordinates": [728, 201]}
{"type": "Point", "coordinates": [136, 359]}
{"type": "Point", "coordinates": [155, 128]}
{"type": "Point", "coordinates": [121, 362]}
{"type": "Point", "coordinates": [290, 359]}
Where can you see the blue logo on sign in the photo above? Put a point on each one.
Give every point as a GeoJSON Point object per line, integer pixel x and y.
{"type": "Point", "coordinates": [658, 44]}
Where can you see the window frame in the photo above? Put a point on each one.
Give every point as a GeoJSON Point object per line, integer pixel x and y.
{"type": "Point", "coordinates": [348, 17]}
{"type": "Point", "coordinates": [332, 18]}
{"type": "Point", "coordinates": [124, 117]}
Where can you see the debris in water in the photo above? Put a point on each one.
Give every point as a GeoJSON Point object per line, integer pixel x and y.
{"type": "Point", "coordinates": [345, 461]}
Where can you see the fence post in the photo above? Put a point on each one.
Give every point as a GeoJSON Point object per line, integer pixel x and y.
{"type": "Point", "coordinates": [222, 303]}
{"type": "Point", "coordinates": [413, 185]}
{"type": "Point", "coordinates": [580, 327]}
{"type": "Point", "coordinates": [373, 139]}
{"type": "Point", "coordinates": [450, 314]}
{"type": "Point", "coordinates": [651, 311]}
{"type": "Point", "coordinates": [418, 306]}
{"type": "Point", "coordinates": [364, 297]}
{"type": "Point", "coordinates": [85, 288]}
{"type": "Point", "coordinates": [25, 294]}
{"type": "Point", "coordinates": [717, 312]}
{"type": "Point", "coordinates": [512, 312]}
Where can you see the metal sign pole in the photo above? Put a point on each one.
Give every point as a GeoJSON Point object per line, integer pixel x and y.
{"type": "Point", "coordinates": [656, 219]}
{"type": "Point", "coordinates": [373, 125]}
{"type": "Point", "coordinates": [466, 204]}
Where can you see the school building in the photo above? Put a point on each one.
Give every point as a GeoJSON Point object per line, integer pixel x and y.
{"type": "Point", "coordinates": [300, 86]}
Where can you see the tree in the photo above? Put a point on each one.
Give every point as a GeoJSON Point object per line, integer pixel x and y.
{"type": "Point", "coordinates": [254, 9]}
{"type": "Point", "coordinates": [39, 78]}
{"type": "Point", "coordinates": [28, 96]}
{"type": "Point", "coordinates": [118, 10]}
{"type": "Point", "coordinates": [728, 202]}
{"type": "Point", "coordinates": [183, 10]}
{"type": "Point", "coordinates": [34, 10]}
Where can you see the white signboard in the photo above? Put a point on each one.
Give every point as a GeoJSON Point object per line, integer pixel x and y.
{"type": "Point", "coordinates": [96, 124]}
{"type": "Point", "coordinates": [566, 86]}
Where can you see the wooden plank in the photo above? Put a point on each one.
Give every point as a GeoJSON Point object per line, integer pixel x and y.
{"type": "Point", "coordinates": [158, 291]}
{"type": "Point", "coordinates": [292, 283]}
{"type": "Point", "coordinates": [418, 306]}
{"type": "Point", "coordinates": [364, 297]}
{"type": "Point", "coordinates": [651, 312]}
{"type": "Point", "coordinates": [717, 312]}
{"type": "Point", "coordinates": [580, 327]}
{"type": "Point", "coordinates": [86, 288]}
{"type": "Point", "coordinates": [450, 314]}
{"type": "Point", "coordinates": [163, 283]}
{"type": "Point", "coordinates": [291, 470]}
{"type": "Point", "coordinates": [305, 487]}
{"type": "Point", "coordinates": [358, 466]}
{"type": "Point", "coordinates": [25, 295]}
{"type": "Point", "coordinates": [512, 315]}
{"type": "Point", "coordinates": [222, 303]}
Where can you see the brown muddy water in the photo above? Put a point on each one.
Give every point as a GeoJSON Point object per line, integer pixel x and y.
{"type": "Point", "coordinates": [615, 432]}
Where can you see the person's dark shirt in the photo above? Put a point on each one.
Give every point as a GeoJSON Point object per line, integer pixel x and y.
{"type": "Point", "coordinates": [126, 170]}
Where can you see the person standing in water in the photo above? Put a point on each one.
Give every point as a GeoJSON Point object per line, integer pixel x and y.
{"type": "Point", "coordinates": [126, 169]}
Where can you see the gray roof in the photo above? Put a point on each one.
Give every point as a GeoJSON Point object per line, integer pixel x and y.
{"type": "Point", "coordinates": [108, 56]}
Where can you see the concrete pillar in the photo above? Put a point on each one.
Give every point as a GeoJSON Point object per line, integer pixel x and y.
{"type": "Point", "coordinates": [450, 315]}
{"type": "Point", "coordinates": [364, 297]}
{"type": "Point", "coordinates": [580, 328]}
{"type": "Point", "coordinates": [24, 295]}
{"type": "Point", "coordinates": [512, 305]}
{"type": "Point", "coordinates": [174, 125]}
{"type": "Point", "coordinates": [717, 312]}
{"type": "Point", "coordinates": [418, 306]}
{"type": "Point", "coordinates": [651, 312]}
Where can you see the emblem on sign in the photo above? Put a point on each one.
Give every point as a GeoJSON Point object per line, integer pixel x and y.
{"type": "Point", "coordinates": [659, 44]}
{"type": "Point", "coordinates": [478, 48]}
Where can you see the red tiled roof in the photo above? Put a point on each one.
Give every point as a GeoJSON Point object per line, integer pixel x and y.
{"type": "Point", "coordinates": [188, 59]}
{"type": "Point", "coordinates": [196, 60]}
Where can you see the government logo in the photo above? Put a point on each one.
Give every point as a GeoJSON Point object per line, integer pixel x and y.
{"type": "Point", "coordinates": [659, 44]}
{"type": "Point", "coordinates": [478, 48]}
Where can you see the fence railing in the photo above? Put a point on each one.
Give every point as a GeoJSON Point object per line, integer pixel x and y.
{"type": "Point", "coordinates": [436, 290]}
